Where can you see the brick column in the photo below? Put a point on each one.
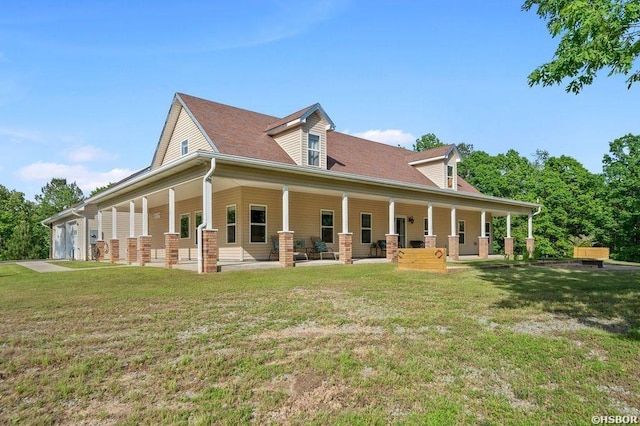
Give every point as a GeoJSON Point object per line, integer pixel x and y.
{"type": "Point", "coordinates": [392, 247]}
{"type": "Point", "coordinates": [483, 247]}
{"type": "Point", "coordinates": [530, 246]}
{"type": "Point", "coordinates": [170, 249]}
{"type": "Point", "coordinates": [132, 250]}
{"type": "Point", "coordinates": [345, 243]}
{"type": "Point", "coordinates": [209, 250]}
{"type": "Point", "coordinates": [508, 247]}
{"type": "Point", "coordinates": [100, 247]}
{"type": "Point", "coordinates": [430, 241]}
{"type": "Point", "coordinates": [144, 249]}
{"type": "Point", "coordinates": [115, 249]}
{"type": "Point", "coordinates": [285, 247]}
{"type": "Point", "coordinates": [454, 247]}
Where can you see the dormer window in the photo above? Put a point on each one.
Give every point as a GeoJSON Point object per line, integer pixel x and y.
{"type": "Point", "coordinates": [313, 150]}
{"type": "Point", "coordinates": [450, 177]}
{"type": "Point", "coordinates": [185, 147]}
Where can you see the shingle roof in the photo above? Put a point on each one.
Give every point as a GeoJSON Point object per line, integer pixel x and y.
{"type": "Point", "coordinates": [236, 131]}
{"type": "Point", "coordinates": [429, 153]}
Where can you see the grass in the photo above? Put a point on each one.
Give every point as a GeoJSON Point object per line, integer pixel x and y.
{"type": "Point", "coordinates": [364, 344]}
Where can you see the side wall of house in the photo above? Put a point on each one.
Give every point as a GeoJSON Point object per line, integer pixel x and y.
{"type": "Point", "coordinates": [291, 142]}
{"type": "Point", "coordinates": [315, 124]}
{"type": "Point", "coordinates": [435, 171]}
{"type": "Point", "coordinates": [185, 129]}
{"type": "Point", "coordinates": [122, 229]}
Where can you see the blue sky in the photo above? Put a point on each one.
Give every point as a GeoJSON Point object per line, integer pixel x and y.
{"type": "Point", "coordinates": [85, 86]}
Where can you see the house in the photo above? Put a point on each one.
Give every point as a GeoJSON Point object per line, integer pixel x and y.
{"type": "Point", "coordinates": [224, 181]}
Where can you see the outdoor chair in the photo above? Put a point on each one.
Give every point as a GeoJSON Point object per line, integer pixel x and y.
{"type": "Point", "coordinates": [320, 248]}
{"type": "Point", "coordinates": [382, 244]}
{"type": "Point", "coordinates": [275, 249]}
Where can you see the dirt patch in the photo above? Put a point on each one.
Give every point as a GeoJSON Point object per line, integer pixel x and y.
{"type": "Point", "coordinates": [550, 324]}
{"type": "Point", "coordinates": [313, 331]}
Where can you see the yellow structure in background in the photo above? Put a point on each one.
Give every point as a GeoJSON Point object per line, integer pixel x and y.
{"type": "Point", "coordinates": [591, 253]}
{"type": "Point", "coordinates": [423, 259]}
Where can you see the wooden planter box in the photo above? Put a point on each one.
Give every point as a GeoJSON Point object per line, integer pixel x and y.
{"type": "Point", "coordinates": [424, 259]}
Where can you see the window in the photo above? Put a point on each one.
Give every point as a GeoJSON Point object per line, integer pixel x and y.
{"type": "Point", "coordinates": [258, 224]}
{"type": "Point", "coordinates": [231, 224]}
{"type": "Point", "coordinates": [365, 228]}
{"type": "Point", "coordinates": [185, 225]}
{"type": "Point", "coordinates": [487, 230]}
{"type": "Point", "coordinates": [313, 150]}
{"type": "Point", "coordinates": [198, 223]}
{"type": "Point", "coordinates": [185, 147]}
{"type": "Point", "coordinates": [461, 231]}
{"type": "Point", "coordinates": [449, 176]}
{"type": "Point", "coordinates": [326, 225]}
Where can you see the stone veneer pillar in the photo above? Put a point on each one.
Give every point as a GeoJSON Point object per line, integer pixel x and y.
{"type": "Point", "coordinates": [392, 247]}
{"type": "Point", "coordinates": [171, 249]}
{"type": "Point", "coordinates": [100, 247]}
{"type": "Point", "coordinates": [345, 242]}
{"type": "Point", "coordinates": [430, 241]}
{"type": "Point", "coordinates": [285, 249]}
{"type": "Point", "coordinates": [530, 246]}
{"type": "Point", "coordinates": [508, 247]}
{"type": "Point", "coordinates": [144, 249]}
{"type": "Point", "coordinates": [114, 250]}
{"type": "Point", "coordinates": [209, 250]}
{"type": "Point", "coordinates": [454, 247]}
{"type": "Point", "coordinates": [483, 247]}
{"type": "Point", "coordinates": [132, 250]}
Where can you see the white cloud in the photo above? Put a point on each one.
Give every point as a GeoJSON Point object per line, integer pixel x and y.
{"type": "Point", "coordinates": [393, 137]}
{"type": "Point", "coordinates": [85, 153]}
{"type": "Point", "coordinates": [87, 180]}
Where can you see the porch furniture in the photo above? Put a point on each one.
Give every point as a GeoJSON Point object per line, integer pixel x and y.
{"type": "Point", "coordinates": [320, 248]}
{"type": "Point", "coordinates": [300, 249]}
{"type": "Point", "coordinates": [416, 244]}
{"type": "Point", "coordinates": [275, 249]}
{"type": "Point", "coordinates": [382, 245]}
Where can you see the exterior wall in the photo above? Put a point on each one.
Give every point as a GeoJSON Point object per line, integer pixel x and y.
{"type": "Point", "coordinates": [221, 200]}
{"type": "Point", "coordinates": [436, 171]}
{"type": "Point", "coordinates": [291, 142]}
{"type": "Point", "coordinates": [185, 129]}
{"type": "Point", "coordinates": [318, 125]}
{"type": "Point", "coordinates": [379, 211]}
{"type": "Point", "coordinates": [273, 200]}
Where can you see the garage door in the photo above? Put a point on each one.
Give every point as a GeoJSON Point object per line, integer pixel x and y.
{"type": "Point", "coordinates": [72, 240]}
{"type": "Point", "coordinates": [59, 241]}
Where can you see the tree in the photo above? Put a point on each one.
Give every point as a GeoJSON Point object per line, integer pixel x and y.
{"type": "Point", "coordinates": [465, 149]}
{"type": "Point", "coordinates": [426, 142]}
{"type": "Point", "coordinates": [100, 189]}
{"type": "Point", "coordinates": [58, 195]}
{"type": "Point", "coordinates": [622, 173]}
{"type": "Point", "coordinates": [594, 35]}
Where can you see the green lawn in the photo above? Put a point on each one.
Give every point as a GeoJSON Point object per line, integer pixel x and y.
{"type": "Point", "coordinates": [80, 264]}
{"type": "Point", "coordinates": [361, 344]}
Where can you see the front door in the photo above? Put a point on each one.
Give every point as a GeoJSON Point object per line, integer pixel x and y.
{"type": "Point", "coordinates": [401, 230]}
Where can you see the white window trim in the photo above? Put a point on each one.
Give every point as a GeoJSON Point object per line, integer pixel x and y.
{"type": "Point", "coordinates": [184, 144]}
{"type": "Point", "coordinates": [363, 228]}
{"type": "Point", "coordinates": [195, 223]}
{"type": "Point", "coordinates": [226, 218]}
{"type": "Point", "coordinates": [266, 219]}
{"type": "Point", "coordinates": [188, 216]}
{"type": "Point", "coordinates": [333, 226]}
{"type": "Point", "coordinates": [319, 150]}
{"type": "Point", "coordinates": [463, 232]}
{"type": "Point", "coordinates": [426, 229]}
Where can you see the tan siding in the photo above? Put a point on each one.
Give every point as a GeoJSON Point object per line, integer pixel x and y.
{"type": "Point", "coordinates": [221, 200]}
{"type": "Point", "coordinates": [122, 229]}
{"type": "Point", "coordinates": [435, 171]}
{"type": "Point", "coordinates": [185, 129]}
{"type": "Point", "coordinates": [273, 200]}
{"type": "Point", "coordinates": [305, 216]}
{"type": "Point", "coordinates": [316, 124]}
{"type": "Point", "coordinates": [379, 223]}
{"type": "Point", "coordinates": [291, 142]}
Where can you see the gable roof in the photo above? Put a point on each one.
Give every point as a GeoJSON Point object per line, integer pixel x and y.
{"type": "Point", "coordinates": [439, 152]}
{"type": "Point", "coordinates": [298, 117]}
{"type": "Point", "coordinates": [239, 132]}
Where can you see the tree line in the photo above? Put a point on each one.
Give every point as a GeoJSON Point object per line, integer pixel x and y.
{"type": "Point", "coordinates": [604, 207]}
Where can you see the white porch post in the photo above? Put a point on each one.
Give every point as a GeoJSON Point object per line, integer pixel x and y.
{"type": "Point", "coordinates": [508, 241]}
{"type": "Point", "coordinates": [392, 215]}
{"type": "Point", "coordinates": [209, 210]}
{"type": "Point", "coordinates": [172, 210]}
{"type": "Point", "coordinates": [100, 225]}
{"type": "Point", "coordinates": [530, 234]}
{"type": "Point", "coordinates": [145, 216]}
{"type": "Point", "coordinates": [430, 219]}
{"type": "Point", "coordinates": [132, 219]}
{"type": "Point", "coordinates": [483, 221]}
{"type": "Point", "coordinates": [345, 213]}
{"type": "Point", "coordinates": [483, 240]}
{"type": "Point", "coordinates": [285, 208]}
{"type": "Point", "coordinates": [114, 223]}
{"type": "Point", "coordinates": [508, 224]}
{"type": "Point", "coordinates": [453, 221]}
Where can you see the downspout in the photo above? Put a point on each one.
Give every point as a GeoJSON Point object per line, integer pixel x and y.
{"type": "Point", "coordinates": [50, 245]}
{"type": "Point", "coordinates": [539, 208]}
{"type": "Point", "coordinates": [205, 211]}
